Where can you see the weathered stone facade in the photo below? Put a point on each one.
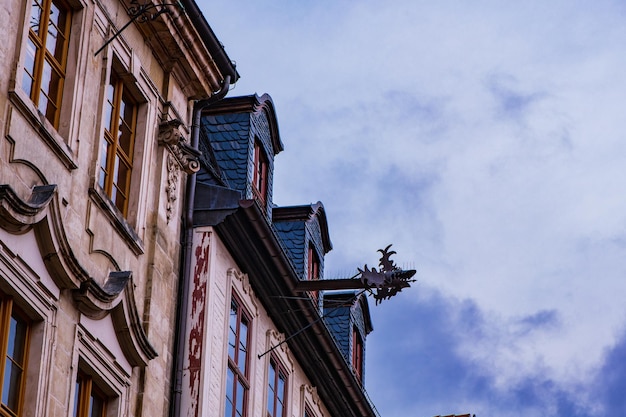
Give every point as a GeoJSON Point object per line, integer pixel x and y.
{"type": "Point", "coordinates": [90, 237]}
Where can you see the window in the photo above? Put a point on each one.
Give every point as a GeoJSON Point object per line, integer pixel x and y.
{"type": "Point", "coordinates": [15, 328]}
{"type": "Point", "coordinates": [276, 389]}
{"type": "Point", "coordinates": [313, 269]}
{"type": "Point", "coordinates": [46, 56]}
{"type": "Point", "coordinates": [117, 145]}
{"type": "Point", "coordinates": [89, 401]}
{"type": "Point", "coordinates": [260, 171]}
{"type": "Point", "coordinates": [357, 353]}
{"type": "Point", "coordinates": [237, 384]}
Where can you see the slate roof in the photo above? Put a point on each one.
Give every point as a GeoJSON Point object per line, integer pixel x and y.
{"type": "Point", "coordinates": [297, 226]}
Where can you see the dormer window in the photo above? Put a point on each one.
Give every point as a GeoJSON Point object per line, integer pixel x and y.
{"type": "Point", "coordinates": [357, 353]}
{"type": "Point", "coordinates": [260, 172]}
{"type": "Point", "coordinates": [313, 269]}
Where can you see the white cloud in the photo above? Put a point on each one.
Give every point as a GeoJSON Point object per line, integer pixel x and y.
{"type": "Point", "coordinates": [484, 139]}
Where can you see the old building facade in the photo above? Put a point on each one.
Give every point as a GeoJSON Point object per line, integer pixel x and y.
{"type": "Point", "coordinates": [255, 345]}
{"type": "Point", "coordinates": [96, 113]}
{"type": "Point", "coordinates": [144, 267]}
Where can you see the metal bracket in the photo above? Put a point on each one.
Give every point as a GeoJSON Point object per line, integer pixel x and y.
{"type": "Point", "coordinates": [382, 284]}
{"type": "Point", "coordinates": [142, 13]}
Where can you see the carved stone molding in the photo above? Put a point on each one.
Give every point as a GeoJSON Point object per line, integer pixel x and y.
{"type": "Point", "coordinates": [171, 188]}
{"type": "Point", "coordinates": [180, 156]}
{"type": "Point", "coordinates": [94, 300]}
{"type": "Point", "coordinates": [17, 215]}
{"type": "Point", "coordinates": [243, 279]}
{"type": "Point", "coordinates": [310, 398]}
{"type": "Point", "coordinates": [170, 133]}
{"type": "Point", "coordinates": [41, 212]}
{"type": "Point", "coordinates": [172, 137]}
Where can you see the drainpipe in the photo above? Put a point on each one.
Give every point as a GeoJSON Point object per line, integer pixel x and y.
{"type": "Point", "coordinates": [182, 309]}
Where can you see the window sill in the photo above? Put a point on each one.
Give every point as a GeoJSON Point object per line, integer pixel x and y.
{"type": "Point", "coordinates": [47, 132]}
{"type": "Point", "coordinates": [118, 221]}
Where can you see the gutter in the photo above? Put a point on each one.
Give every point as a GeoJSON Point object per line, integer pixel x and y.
{"type": "Point", "coordinates": [215, 47]}
{"type": "Point", "coordinates": [182, 309]}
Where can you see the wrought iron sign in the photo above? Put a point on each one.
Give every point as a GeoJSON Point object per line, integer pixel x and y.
{"type": "Point", "coordinates": [143, 13]}
{"type": "Point", "coordinates": [389, 280]}
{"type": "Point", "coordinates": [383, 283]}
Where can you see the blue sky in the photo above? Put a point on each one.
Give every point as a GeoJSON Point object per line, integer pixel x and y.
{"type": "Point", "coordinates": [487, 141]}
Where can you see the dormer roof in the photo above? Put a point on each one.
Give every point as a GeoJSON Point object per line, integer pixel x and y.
{"type": "Point", "coordinates": [306, 213]}
{"type": "Point", "coordinates": [251, 104]}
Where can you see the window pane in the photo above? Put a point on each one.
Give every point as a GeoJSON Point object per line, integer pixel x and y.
{"type": "Point", "coordinates": [228, 410]}
{"type": "Point", "coordinates": [11, 384]}
{"type": "Point", "coordinates": [280, 390]}
{"type": "Point", "coordinates": [50, 89]}
{"type": "Point", "coordinates": [50, 82]}
{"type": "Point", "coordinates": [97, 406]}
{"type": "Point", "coordinates": [109, 106]}
{"type": "Point", "coordinates": [230, 391]}
{"type": "Point", "coordinates": [243, 340]}
{"type": "Point", "coordinates": [104, 151]}
{"type": "Point", "coordinates": [55, 41]}
{"type": "Point", "coordinates": [119, 199]}
{"type": "Point", "coordinates": [35, 16]}
{"type": "Point", "coordinates": [29, 67]}
{"type": "Point", "coordinates": [17, 339]}
{"type": "Point", "coordinates": [240, 397]}
{"type": "Point", "coordinates": [125, 137]}
{"type": "Point", "coordinates": [232, 335]}
{"type": "Point", "coordinates": [122, 174]}
{"type": "Point", "coordinates": [76, 398]}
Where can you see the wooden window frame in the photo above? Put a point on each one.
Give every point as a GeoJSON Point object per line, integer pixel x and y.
{"type": "Point", "coordinates": [7, 311]}
{"type": "Point", "coordinates": [272, 392]}
{"type": "Point", "coordinates": [261, 171]}
{"type": "Point", "coordinates": [239, 375]}
{"type": "Point", "coordinates": [86, 390]}
{"type": "Point", "coordinates": [308, 412]}
{"type": "Point", "coordinates": [41, 57]}
{"type": "Point", "coordinates": [357, 353]}
{"type": "Point", "coordinates": [113, 155]}
{"type": "Point", "coordinates": [313, 269]}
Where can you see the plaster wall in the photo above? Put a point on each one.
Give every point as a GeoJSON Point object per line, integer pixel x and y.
{"type": "Point", "coordinates": [216, 277]}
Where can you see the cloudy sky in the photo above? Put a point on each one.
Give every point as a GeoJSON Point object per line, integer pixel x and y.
{"type": "Point", "coordinates": [485, 140]}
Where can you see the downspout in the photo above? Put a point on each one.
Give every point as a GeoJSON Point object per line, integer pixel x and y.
{"type": "Point", "coordinates": [182, 309]}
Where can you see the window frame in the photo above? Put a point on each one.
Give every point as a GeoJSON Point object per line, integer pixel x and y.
{"type": "Point", "coordinates": [41, 56]}
{"type": "Point", "coordinates": [279, 370]}
{"type": "Point", "coordinates": [110, 149]}
{"type": "Point", "coordinates": [260, 180]}
{"type": "Point", "coordinates": [131, 225]}
{"type": "Point", "coordinates": [7, 310]}
{"type": "Point", "coordinates": [86, 390]}
{"type": "Point", "coordinates": [233, 365]}
{"type": "Point", "coordinates": [313, 269]}
{"type": "Point", "coordinates": [358, 352]}
{"type": "Point", "coordinates": [110, 375]}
